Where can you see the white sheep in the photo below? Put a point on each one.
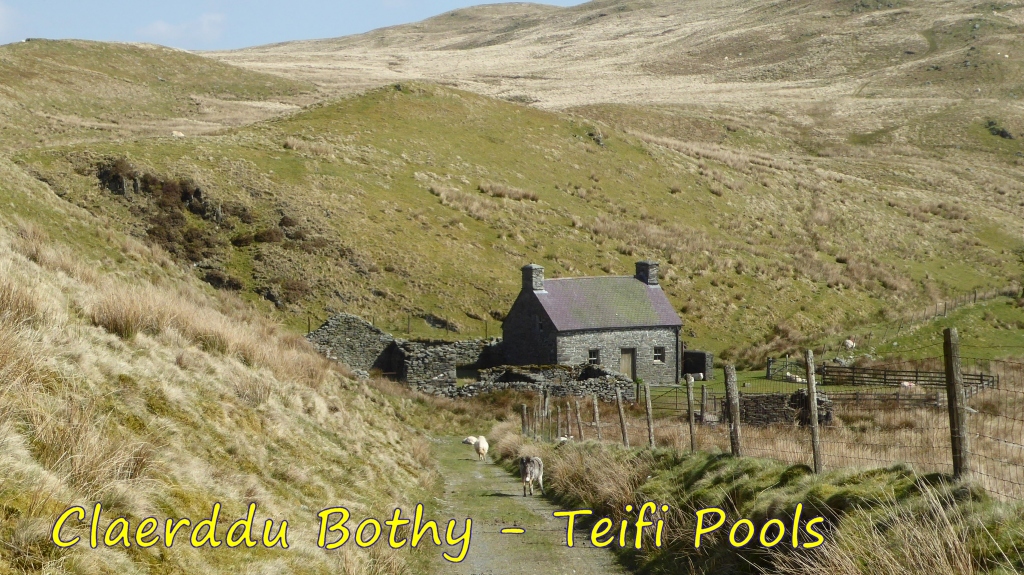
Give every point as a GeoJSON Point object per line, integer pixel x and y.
{"type": "Point", "coordinates": [479, 444]}
{"type": "Point", "coordinates": [849, 344]}
{"type": "Point", "coordinates": [564, 439]}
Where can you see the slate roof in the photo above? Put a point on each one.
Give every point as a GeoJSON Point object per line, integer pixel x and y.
{"type": "Point", "coordinates": [605, 303]}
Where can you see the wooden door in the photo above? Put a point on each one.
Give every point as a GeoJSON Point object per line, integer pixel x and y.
{"type": "Point", "coordinates": [627, 362]}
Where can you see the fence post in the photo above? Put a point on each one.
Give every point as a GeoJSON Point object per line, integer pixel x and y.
{"type": "Point", "coordinates": [703, 404]}
{"type": "Point", "coordinates": [622, 416]}
{"type": "Point", "coordinates": [650, 415]}
{"type": "Point", "coordinates": [812, 408]}
{"type": "Point", "coordinates": [523, 412]}
{"type": "Point", "coordinates": [597, 418]}
{"type": "Point", "coordinates": [957, 403]}
{"type": "Point", "coordinates": [558, 421]}
{"type": "Point", "coordinates": [579, 420]}
{"type": "Point", "coordinates": [733, 399]}
{"type": "Point", "coordinates": [689, 411]}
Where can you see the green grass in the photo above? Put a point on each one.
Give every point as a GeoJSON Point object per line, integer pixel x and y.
{"type": "Point", "coordinates": [738, 263]}
{"type": "Point", "coordinates": [74, 90]}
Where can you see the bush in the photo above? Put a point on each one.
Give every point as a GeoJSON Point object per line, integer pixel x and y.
{"type": "Point", "coordinates": [269, 235]}
{"type": "Point", "coordinates": [221, 280]}
{"type": "Point", "coordinates": [294, 289]}
{"type": "Point", "coordinates": [242, 240]}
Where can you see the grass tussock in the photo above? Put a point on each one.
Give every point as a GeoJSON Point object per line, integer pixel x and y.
{"type": "Point", "coordinates": [313, 148]}
{"type": "Point", "coordinates": [468, 203]}
{"type": "Point", "coordinates": [128, 310]}
{"type": "Point", "coordinates": [496, 190]}
{"type": "Point", "coordinates": [902, 540]}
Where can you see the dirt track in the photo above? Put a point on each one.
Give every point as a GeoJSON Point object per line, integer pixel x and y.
{"type": "Point", "coordinates": [494, 500]}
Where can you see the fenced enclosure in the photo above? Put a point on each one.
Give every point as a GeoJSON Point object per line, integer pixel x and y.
{"type": "Point", "coordinates": [959, 416]}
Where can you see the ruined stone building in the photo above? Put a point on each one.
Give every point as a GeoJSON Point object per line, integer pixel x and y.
{"type": "Point", "coordinates": [625, 323]}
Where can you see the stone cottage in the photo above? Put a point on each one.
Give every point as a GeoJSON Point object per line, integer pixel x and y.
{"type": "Point", "coordinates": [625, 323]}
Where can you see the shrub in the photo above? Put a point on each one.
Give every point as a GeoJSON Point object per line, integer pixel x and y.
{"type": "Point", "coordinates": [221, 280]}
{"type": "Point", "coordinates": [242, 240]}
{"type": "Point", "coordinates": [269, 235]}
{"type": "Point", "coordinates": [294, 289]}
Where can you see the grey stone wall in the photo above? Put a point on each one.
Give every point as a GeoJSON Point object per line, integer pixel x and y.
{"type": "Point", "coordinates": [780, 408]}
{"type": "Point", "coordinates": [351, 340]}
{"type": "Point", "coordinates": [435, 363]}
{"type": "Point", "coordinates": [526, 343]}
{"type": "Point", "coordinates": [557, 380]}
{"type": "Point", "coordinates": [574, 348]}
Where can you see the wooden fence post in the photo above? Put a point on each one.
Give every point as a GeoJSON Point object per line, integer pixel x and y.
{"type": "Point", "coordinates": [597, 418]}
{"type": "Point", "coordinates": [703, 404]}
{"type": "Point", "coordinates": [733, 399]}
{"type": "Point", "coordinates": [523, 412]}
{"type": "Point", "coordinates": [650, 415]}
{"type": "Point", "coordinates": [957, 403]}
{"type": "Point", "coordinates": [689, 411]}
{"type": "Point", "coordinates": [812, 408]}
{"type": "Point", "coordinates": [622, 416]}
{"type": "Point", "coordinates": [558, 421]}
{"type": "Point", "coordinates": [579, 420]}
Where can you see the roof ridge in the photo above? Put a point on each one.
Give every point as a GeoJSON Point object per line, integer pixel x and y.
{"type": "Point", "coordinates": [590, 278]}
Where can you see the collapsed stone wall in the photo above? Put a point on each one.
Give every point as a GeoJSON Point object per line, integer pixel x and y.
{"type": "Point", "coordinates": [435, 363]}
{"type": "Point", "coordinates": [773, 408]}
{"type": "Point", "coordinates": [353, 341]}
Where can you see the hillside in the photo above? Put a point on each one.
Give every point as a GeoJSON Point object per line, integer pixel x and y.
{"type": "Point", "coordinates": [787, 54]}
{"type": "Point", "coordinates": [124, 381]}
{"type": "Point", "coordinates": [419, 201]}
{"type": "Point", "coordinates": [67, 91]}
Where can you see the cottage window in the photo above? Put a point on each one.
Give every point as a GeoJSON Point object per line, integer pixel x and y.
{"type": "Point", "coordinates": [594, 357]}
{"type": "Point", "coordinates": [538, 325]}
{"type": "Point", "coordinates": [659, 355]}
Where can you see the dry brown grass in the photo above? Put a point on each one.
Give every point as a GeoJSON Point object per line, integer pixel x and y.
{"type": "Point", "coordinates": [34, 243]}
{"type": "Point", "coordinates": [456, 198]}
{"type": "Point", "coordinates": [313, 148]}
{"type": "Point", "coordinates": [497, 190]}
{"type": "Point", "coordinates": [17, 304]}
{"type": "Point", "coordinates": [142, 391]}
{"type": "Point", "coordinates": [128, 310]}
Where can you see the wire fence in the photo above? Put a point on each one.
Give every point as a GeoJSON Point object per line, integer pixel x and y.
{"type": "Point", "coordinates": [889, 413]}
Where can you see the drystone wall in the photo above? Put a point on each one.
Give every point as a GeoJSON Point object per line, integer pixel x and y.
{"type": "Point", "coordinates": [435, 363]}
{"type": "Point", "coordinates": [351, 340]}
{"type": "Point", "coordinates": [557, 380]}
{"type": "Point", "coordinates": [774, 408]}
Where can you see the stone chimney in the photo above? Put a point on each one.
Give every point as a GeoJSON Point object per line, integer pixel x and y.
{"type": "Point", "coordinates": [533, 278]}
{"type": "Point", "coordinates": [647, 272]}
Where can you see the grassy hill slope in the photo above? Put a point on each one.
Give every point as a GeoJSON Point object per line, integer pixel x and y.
{"type": "Point", "coordinates": [422, 201]}
{"type": "Point", "coordinates": [124, 381]}
{"type": "Point", "coordinates": [63, 91]}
